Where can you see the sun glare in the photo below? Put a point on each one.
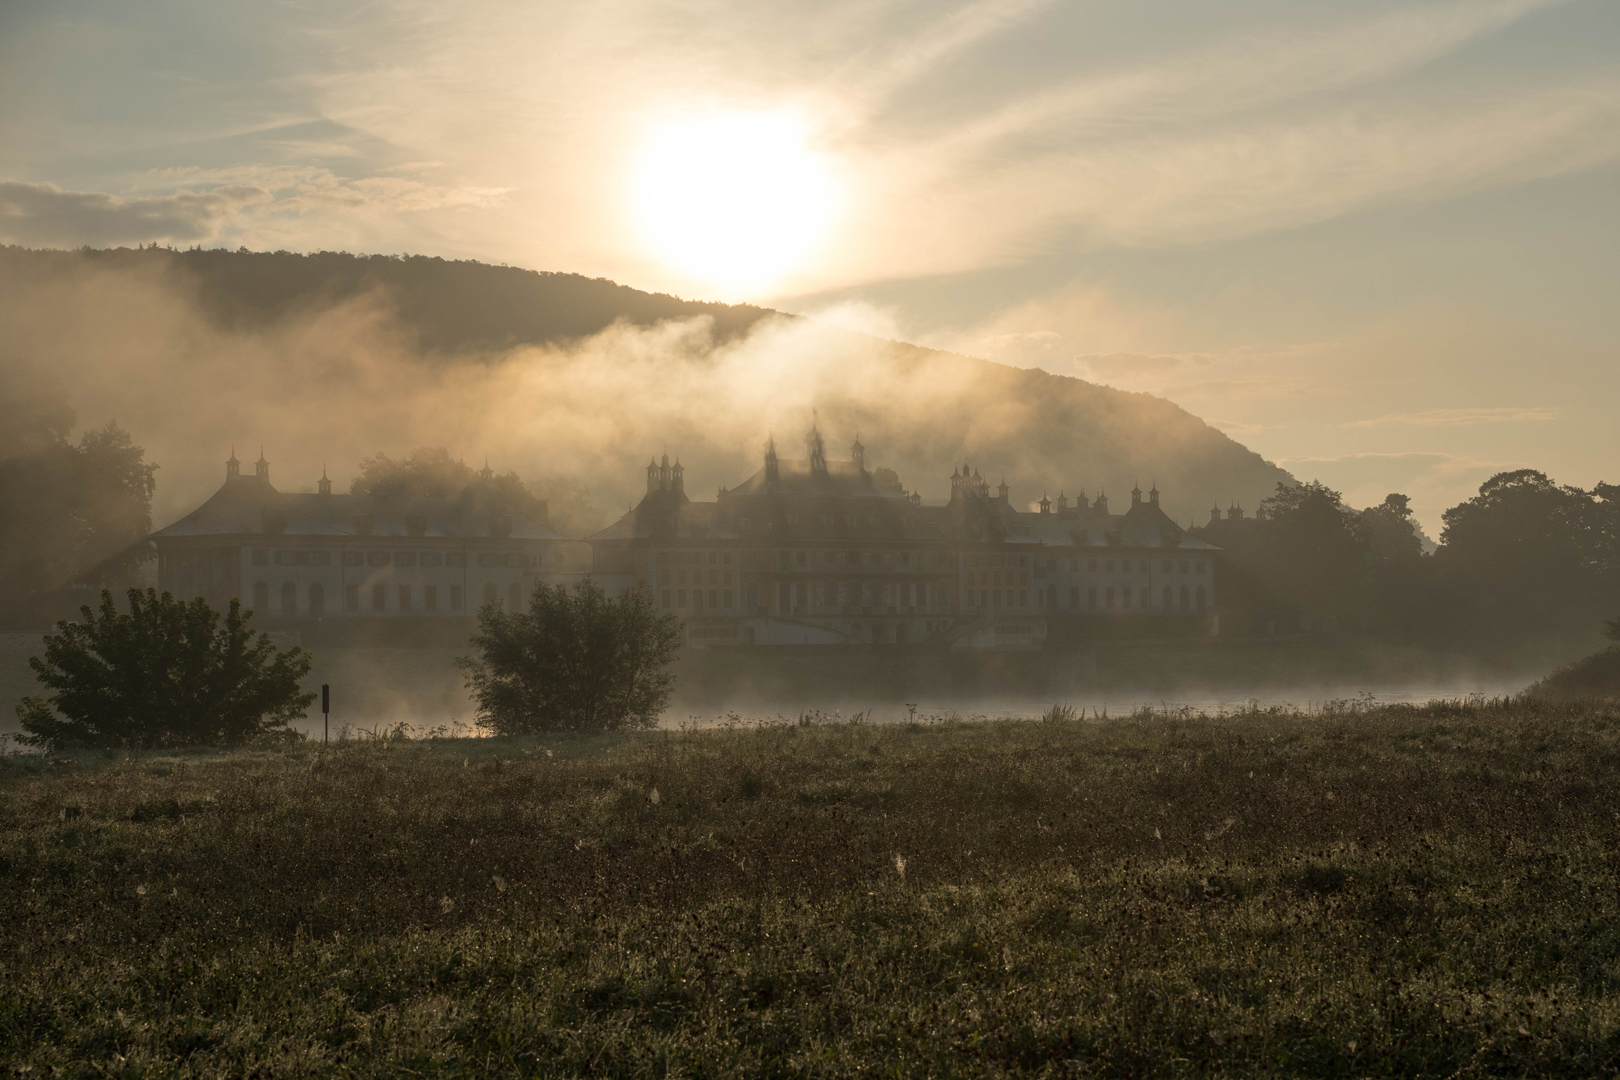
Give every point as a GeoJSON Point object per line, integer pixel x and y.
{"type": "Point", "coordinates": [736, 201]}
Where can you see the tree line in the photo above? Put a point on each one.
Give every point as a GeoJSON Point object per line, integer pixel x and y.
{"type": "Point", "coordinates": [1527, 558]}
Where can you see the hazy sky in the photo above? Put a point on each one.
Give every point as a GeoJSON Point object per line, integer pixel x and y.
{"type": "Point", "coordinates": [1376, 242]}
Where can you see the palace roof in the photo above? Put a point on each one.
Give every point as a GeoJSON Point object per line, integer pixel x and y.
{"type": "Point", "coordinates": [248, 506]}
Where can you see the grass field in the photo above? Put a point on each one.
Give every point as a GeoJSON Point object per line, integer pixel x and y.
{"type": "Point", "coordinates": [1428, 891]}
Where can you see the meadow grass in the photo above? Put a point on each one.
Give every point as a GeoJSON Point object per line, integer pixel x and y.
{"type": "Point", "coordinates": [1367, 891]}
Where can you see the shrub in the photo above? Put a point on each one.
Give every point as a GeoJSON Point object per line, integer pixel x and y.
{"type": "Point", "coordinates": [575, 662]}
{"type": "Point", "coordinates": [166, 674]}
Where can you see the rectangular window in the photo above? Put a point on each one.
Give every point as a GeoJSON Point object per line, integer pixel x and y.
{"type": "Point", "coordinates": [261, 557]}
{"type": "Point", "coordinates": [1145, 601]}
{"type": "Point", "coordinates": [1125, 596]}
{"type": "Point", "coordinates": [286, 558]}
{"type": "Point", "coordinates": [697, 600]}
{"type": "Point", "coordinates": [320, 558]}
{"type": "Point", "coordinates": [430, 598]}
{"type": "Point", "coordinates": [517, 562]}
{"type": "Point", "coordinates": [1023, 561]}
{"type": "Point", "coordinates": [680, 597]}
{"type": "Point", "coordinates": [1074, 596]}
{"type": "Point", "coordinates": [1108, 567]}
{"type": "Point", "coordinates": [714, 598]}
{"type": "Point", "coordinates": [376, 558]}
{"type": "Point", "coordinates": [404, 598]}
{"type": "Point", "coordinates": [665, 598]}
{"type": "Point", "coordinates": [728, 597]}
{"type": "Point", "coordinates": [714, 558]}
{"type": "Point", "coordinates": [663, 560]}
{"type": "Point", "coordinates": [489, 561]}
{"type": "Point", "coordinates": [379, 598]}
{"type": "Point", "coordinates": [432, 558]}
{"type": "Point", "coordinates": [351, 598]}
{"type": "Point", "coordinates": [1091, 597]}
{"type": "Point", "coordinates": [455, 558]}
{"type": "Point", "coordinates": [1023, 598]}
{"type": "Point", "coordinates": [404, 558]}
{"type": "Point", "coordinates": [455, 598]}
{"type": "Point", "coordinates": [1108, 599]}
{"type": "Point", "coordinates": [1074, 566]}
{"type": "Point", "coordinates": [354, 558]}
{"type": "Point", "coordinates": [1091, 566]}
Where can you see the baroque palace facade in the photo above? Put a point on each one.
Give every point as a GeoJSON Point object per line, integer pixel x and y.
{"type": "Point", "coordinates": [300, 556]}
{"type": "Point", "coordinates": [818, 552]}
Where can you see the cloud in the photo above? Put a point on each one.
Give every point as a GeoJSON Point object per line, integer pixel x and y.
{"type": "Point", "coordinates": [46, 214]}
{"type": "Point", "coordinates": [1460, 417]}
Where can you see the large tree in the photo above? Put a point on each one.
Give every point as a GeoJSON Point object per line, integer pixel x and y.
{"type": "Point", "coordinates": [575, 661]}
{"type": "Point", "coordinates": [1530, 556]}
{"type": "Point", "coordinates": [166, 673]}
{"type": "Point", "coordinates": [562, 503]}
{"type": "Point", "coordinates": [69, 511]}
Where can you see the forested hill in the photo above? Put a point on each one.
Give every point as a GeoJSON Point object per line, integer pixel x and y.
{"type": "Point", "coordinates": [453, 306]}
{"type": "Point", "coordinates": [125, 324]}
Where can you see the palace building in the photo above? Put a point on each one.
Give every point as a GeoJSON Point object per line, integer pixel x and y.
{"type": "Point", "coordinates": [296, 556]}
{"type": "Point", "coordinates": [818, 552]}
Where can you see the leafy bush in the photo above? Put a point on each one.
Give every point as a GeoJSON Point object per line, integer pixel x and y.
{"type": "Point", "coordinates": [166, 674]}
{"type": "Point", "coordinates": [577, 662]}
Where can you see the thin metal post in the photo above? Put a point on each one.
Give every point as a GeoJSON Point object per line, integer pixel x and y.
{"type": "Point", "coordinates": [326, 712]}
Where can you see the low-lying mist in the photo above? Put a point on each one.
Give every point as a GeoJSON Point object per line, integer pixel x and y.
{"type": "Point", "coordinates": [334, 375]}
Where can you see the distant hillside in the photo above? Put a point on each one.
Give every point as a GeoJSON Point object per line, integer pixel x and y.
{"type": "Point", "coordinates": [452, 306]}
{"type": "Point", "coordinates": [273, 362]}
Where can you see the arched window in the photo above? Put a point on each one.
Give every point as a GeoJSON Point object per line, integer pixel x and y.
{"type": "Point", "coordinates": [753, 599]}
{"type": "Point", "coordinates": [1200, 599]}
{"type": "Point", "coordinates": [317, 600]}
{"type": "Point", "coordinates": [261, 597]}
{"type": "Point", "coordinates": [514, 597]}
{"type": "Point", "coordinates": [289, 601]}
{"type": "Point", "coordinates": [489, 592]}
{"type": "Point", "coordinates": [1183, 605]}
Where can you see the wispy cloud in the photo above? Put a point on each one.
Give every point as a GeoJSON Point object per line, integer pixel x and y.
{"type": "Point", "coordinates": [46, 214]}
{"type": "Point", "coordinates": [1459, 417]}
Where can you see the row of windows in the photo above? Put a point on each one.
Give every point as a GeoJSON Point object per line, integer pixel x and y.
{"type": "Point", "coordinates": [824, 597]}
{"type": "Point", "coordinates": [1107, 598]}
{"type": "Point", "coordinates": [828, 597]}
{"type": "Point", "coordinates": [974, 598]}
{"type": "Point", "coordinates": [1141, 566]}
{"type": "Point", "coordinates": [717, 576]}
{"type": "Point", "coordinates": [426, 598]}
{"type": "Point", "coordinates": [319, 557]}
{"type": "Point", "coordinates": [978, 578]}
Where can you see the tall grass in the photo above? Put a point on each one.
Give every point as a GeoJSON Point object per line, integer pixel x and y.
{"type": "Point", "coordinates": [1366, 890]}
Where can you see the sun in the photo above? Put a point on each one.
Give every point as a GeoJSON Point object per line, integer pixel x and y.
{"type": "Point", "coordinates": [737, 201]}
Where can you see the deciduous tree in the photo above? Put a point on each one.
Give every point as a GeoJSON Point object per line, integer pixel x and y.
{"type": "Point", "coordinates": [167, 673]}
{"type": "Point", "coordinates": [574, 661]}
